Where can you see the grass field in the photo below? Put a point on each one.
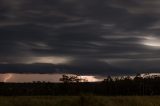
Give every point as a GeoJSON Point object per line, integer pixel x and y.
{"type": "Point", "coordinates": [79, 101]}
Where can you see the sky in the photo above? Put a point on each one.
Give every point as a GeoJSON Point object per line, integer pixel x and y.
{"type": "Point", "coordinates": [84, 37]}
{"type": "Point", "coordinates": [21, 78]}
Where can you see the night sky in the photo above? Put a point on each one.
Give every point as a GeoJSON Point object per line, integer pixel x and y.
{"type": "Point", "coordinates": [86, 37]}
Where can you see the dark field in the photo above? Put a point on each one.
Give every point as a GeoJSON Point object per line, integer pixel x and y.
{"type": "Point", "coordinates": [80, 101]}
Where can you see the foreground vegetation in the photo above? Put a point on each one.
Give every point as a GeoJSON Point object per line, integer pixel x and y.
{"type": "Point", "coordinates": [79, 101]}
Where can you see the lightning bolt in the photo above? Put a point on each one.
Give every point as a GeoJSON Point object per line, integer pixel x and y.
{"type": "Point", "coordinates": [9, 76]}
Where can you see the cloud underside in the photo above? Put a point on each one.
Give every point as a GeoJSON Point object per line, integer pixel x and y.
{"type": "Point", "coordinates": [74, 36]}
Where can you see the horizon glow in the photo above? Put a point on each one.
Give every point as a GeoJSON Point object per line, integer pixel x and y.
{"type": "Point", "coordinates": [21, 78]}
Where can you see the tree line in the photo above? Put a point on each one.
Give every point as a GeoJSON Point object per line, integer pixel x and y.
{"type": "Point", "coordinates": [73, 85]}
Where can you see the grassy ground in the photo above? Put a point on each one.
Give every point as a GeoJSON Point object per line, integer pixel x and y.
{"type": "Point", "coordinates": [79, 101]}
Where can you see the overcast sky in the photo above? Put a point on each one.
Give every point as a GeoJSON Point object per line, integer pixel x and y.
{"type": "Point", "coordinates": [89, 37]}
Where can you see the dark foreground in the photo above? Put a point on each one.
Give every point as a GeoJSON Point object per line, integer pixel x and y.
{"type": "Point", "coordinates": [79, 101]}
{"type": "Point", "coordinates": [117, 88]}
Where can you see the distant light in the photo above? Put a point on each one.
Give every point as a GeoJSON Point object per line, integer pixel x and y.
{"type": "Point", "coordinates": [153, 42]}
{"type": "Point", "coordinates": [49, 60]}
{"type": "Point", "coordinates": [90, 78]}
{"type": "Point", "coordinates": [7, 77]}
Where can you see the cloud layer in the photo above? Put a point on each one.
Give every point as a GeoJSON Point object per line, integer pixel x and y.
{"type": "Point", "coordinates": [86, 37]}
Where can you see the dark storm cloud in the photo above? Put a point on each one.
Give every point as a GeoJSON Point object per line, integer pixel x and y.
{"type": "Point", "coordinates": [87, 31]}
{"type": "Point", "coordinates": [79, 68]}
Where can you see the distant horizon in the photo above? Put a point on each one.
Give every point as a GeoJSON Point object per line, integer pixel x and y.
{"type": "Point", "coordinates": [55, 77]}
{"type": "Point", "coordinates": [22, 77]}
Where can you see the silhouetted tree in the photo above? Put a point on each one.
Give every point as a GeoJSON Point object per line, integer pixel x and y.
{"type": "Point", "coordinates": [108, 79]}
{"type": "Point", "coordinates": [72, 78]}
{"type": "Point", "coordinates": [65, 79]}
